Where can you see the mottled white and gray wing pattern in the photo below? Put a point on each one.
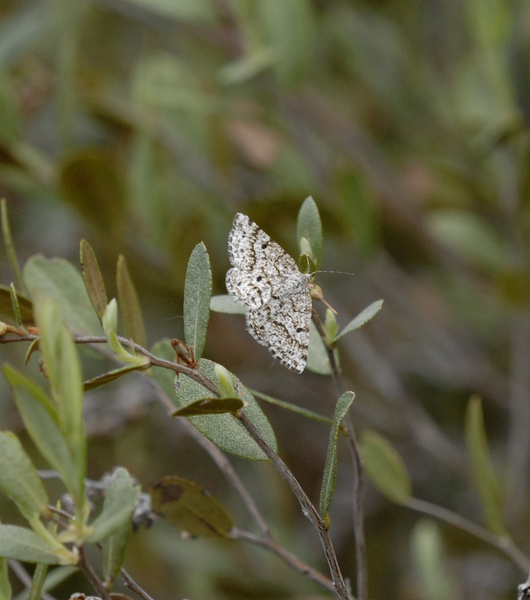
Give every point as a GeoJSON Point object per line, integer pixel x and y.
{"type": "Point", "coordinates": [268, 281]}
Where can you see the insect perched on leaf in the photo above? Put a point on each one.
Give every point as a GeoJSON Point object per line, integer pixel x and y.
{"type": "Point", "coordinates": [276, 292]}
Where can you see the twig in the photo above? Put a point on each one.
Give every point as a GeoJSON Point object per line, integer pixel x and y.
{"type": "Point", "coordinates": [307, 507]}
{"type": "Point", "coordinates": [92, 576]}
{"type": "Point", "coordinates": [133, 586]}
{"type": "Point", "coordinates": [358, 475]}
{"type": "Point", "coordinates": [294, 562]}
{"type": "Point", "coordinates": [504, 544]}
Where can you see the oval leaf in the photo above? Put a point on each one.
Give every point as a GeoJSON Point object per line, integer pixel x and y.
{"type": "Point", "coordinates": [42, 423]}
{"type": "Point", "coordinates": [224, 303]}
{"type": "Point", "coordinates": [95, 382]}
{"type": "Point", "coordinates": [483, 473]}
{"type": "Point", "coordinates": [64, 374]}
{"type": "Point", "coordinates": [364, 316]}
{"type": "Point", "coordinates": [330, 469]}
{"type": "Point", "coordinates": [129, 304]}
{"type": "Point", "coordinates": [225, 431]}
{"type": "Point", "coordinates": [19, 478]}
{"type": "Point", "coordinates": [197, 294]}
{"type": "Point", "coordinates": [118, 506]}
{"type": "Point", "coordinates": [317, 356]}
{"type": "Point", "coordinates": [385, 467]}
{"type": "Point", "coordinates": [189, 507]}
{"type": "Point", "coordinates": [59, 279]}
{"type": "Point", "coordinates": [309, 227]}
{"type": "Point", "coordinates": [93, 280]}
{"type": "Point", "coordinates": [210, 406]}
{"type": "Point", "coordinates": [114, 553]}
{"type": "Point", "coordinates": [24, 544]}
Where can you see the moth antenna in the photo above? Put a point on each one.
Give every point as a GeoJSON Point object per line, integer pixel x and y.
{"type": "Point", "coordinates": [339, 272]}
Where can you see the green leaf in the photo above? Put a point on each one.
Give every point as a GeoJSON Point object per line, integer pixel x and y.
{"type": "Point", "coordinates": [385, 468]}
{"type": "Point", "coordinates": [63, 369]}
{"type": "Point", "coordinates": [19, 478]}
{"type": "Point", "coordinates": [24, 544]}
{"type": "Point", "coordinates": [309, 227]}
{"type": "Point", "coordinates": [100, 380]}
{"type": "Point", "coordinates": [330, 469]}
{"type": "Point", "coordinates": [210, 406]}
{"type": "Point", "coordinates": [37, 582]}
{"type": "Point", "coordinates": [93, 280]}
{"type": "Point", "coordinates": [42, 423]}
{"type": "Point", "coordinates": [483, 473]}
{"type": "Point", "coordinates": [189, 507]}
{"type": "Point", "coordinates": [225, 431]}
{"type": "Point", "coordinates": [6, 306]}
{"type": "Point", "coordinates": [317, 356]}
{"type": "Point", "coordinates": [225, 303]}
{"type": "Point", "coordinates": [59, 279]}
{"type": "Point", "coordinates": [8, 241]}
{"type": "Point", "coordinates": [5, 586]}
{"type": "Point", "coordinates": [197, 294]}
{"type": "Point", "coordinates": [363, 317]}
{"type": "Point", "coordinates": [118, 507]}
{"type": "Point", "coordinates": [114, 549]}
{"type": "Point", "coordinates": [428, 557]}
{"type": "Point", "coordinates": [129, 304]}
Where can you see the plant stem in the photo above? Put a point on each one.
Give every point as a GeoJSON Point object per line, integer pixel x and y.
{"type": "Point", "coordinates": [293, 561]}
{"type": "Point", "coordinates": [308, 509]}
{"type": "Point", "coordinates": [358, 475]}
{"type": "Point", "coordinates": [504, 544]}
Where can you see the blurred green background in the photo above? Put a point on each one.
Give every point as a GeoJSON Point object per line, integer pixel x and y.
{"type": "Point", "coordinates": [144, 125]}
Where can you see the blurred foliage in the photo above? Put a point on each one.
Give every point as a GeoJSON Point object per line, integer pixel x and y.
{"type": "Point", "coordinates": [144, 125]}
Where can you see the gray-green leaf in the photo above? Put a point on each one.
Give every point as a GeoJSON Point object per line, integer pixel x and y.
{"type": "Point", "coordinates": [42, 422]}
{"type": "Point", "coordinates": [483, 473]}
{"type": "Point", "coordinates": [358, 321]}
{"type": "Point", "coordinates": [19, 478]}
{"type": "Point", "coordinates": [197, 294]}
{"type": "Point", "coordinates": [225, 431]}
{"type": "Point", "coordinates": [24, 544]}
{"type": "Point", "coordinates": [59, 279]}
{"type": "Point", "coordinates": [385, 468]}
{"type": "Point", "coordinates": [330, 469]}
{"type": "Point", "coordinates": [118, 506]}
{"type": "Point", "coordinates": [309, 226]}
{"type": "Point", "coordinates": [225, 303]}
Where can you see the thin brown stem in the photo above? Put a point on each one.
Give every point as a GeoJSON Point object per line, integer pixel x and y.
{"type": "Point", "coordinates": [92, 576]}
{"type": "Point", "coordinates": [358, 475]}
{"type": "Point", "coordinates": [133, 586]}
{"type": "Point", "coordinates": [308, 509]}
{"type": "Point", "coordinates": [504, 544]}
{"type": "Point", "coordinates": [293, 561]}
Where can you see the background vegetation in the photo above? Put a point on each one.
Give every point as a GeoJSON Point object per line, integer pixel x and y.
{"type": "Point", "coordinates": [144, 125]}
